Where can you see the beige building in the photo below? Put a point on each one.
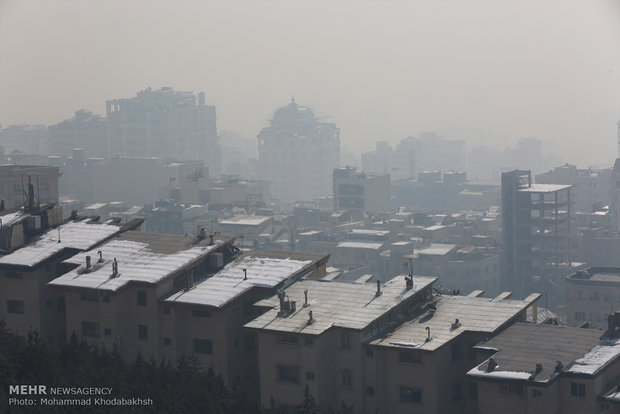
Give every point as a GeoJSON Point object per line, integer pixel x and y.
{"type": "Point", "coordinates": [548, 369]}
{"type": "Point", "coordinates": [14, 181]}
{"type": "Point", "coordinates": [245, 227]}
{"type": "Point", "coordinates": [207, 321]}
{"type": "Point", "coordinates": [359, 191]}
{"type": "Point", "coordinates": [592, 295]}
{"type": "Point", "coordinates": [28, 303]}
{"type": "Point", "coordinates": [364, 345]}
{"type": "Point", "coordinates": [113, 294]}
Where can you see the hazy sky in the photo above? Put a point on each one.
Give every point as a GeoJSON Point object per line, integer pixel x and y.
{"type": "Point", "coordinates": [485, 70]}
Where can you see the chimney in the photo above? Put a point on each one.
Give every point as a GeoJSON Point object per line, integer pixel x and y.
{"type": "Point", "coordinates": [202, 233]}
{"type": "Point", "coordinates": [100, 260]}
{"type": "Point", "coordinates": [409, 282]}
{"type": "Point", "coordinates": [492, 365]}
{"type": "Point", "coordinates": [306, 300]}
{"type": "Point", "coordinates": [310, 318]}
{"type": "Point", "coordinates": [613, 325]}
{"type": "Point", "coordinates": [114, 269]}
{"type": "Point", "coordinates": [88, 262]}
{"type": "Point", "coordinates": [378, 293]}
{"type": "Point", "coordinates": [558, 366]}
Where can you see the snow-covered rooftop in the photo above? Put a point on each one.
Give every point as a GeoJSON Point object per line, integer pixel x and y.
{"type": "Point", "coordinates": [230, 282]}
{"type": "Point", "coordinates": [80, 235]}
{"type": "Point", "coordinates": [246, 220]}
{"type": "Point", "coordinates": [342, 304]}
{"type": "Point", "coordinates": [143, 257]}
{"type": "Point", "coordinates": [13, 218]}
{"type": "Point", "coordinates": [360, 244]}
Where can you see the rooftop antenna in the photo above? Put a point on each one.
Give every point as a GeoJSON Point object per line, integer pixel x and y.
{"type": "Point", "coordinates": [58, 234]}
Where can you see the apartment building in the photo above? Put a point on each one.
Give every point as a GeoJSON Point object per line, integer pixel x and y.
{"type": "Point", "coordinates": [592, 295]}
{"type": "Point", "coordinates": [164, 123]}
{"type": "Point", "coordinates": [548, 369]}
{"type": "Point", "coordinates": [246, 227]}
{"type": "Point", "coordinates": [113, 294]}
{"type": "Point", "coordinates": [420, 366]}
{"type": "Point", "coordinates": [297, 154]}
{"type": "Point", "coordinates": [15, 179]}
{"type": "Point", "coordinates": [28, 303]}
{"type": "Point", "coordinates": [365, 346]}
{"type": "Point", "coordinates": [85, 130]}
{"type": "Point", "coordinates": [207, 319]}
{"type": "Point", "coordinates": [360, 191]}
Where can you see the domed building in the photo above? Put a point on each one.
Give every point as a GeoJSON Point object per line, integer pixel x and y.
{"type": "Point", "coordinates": [297, 154]}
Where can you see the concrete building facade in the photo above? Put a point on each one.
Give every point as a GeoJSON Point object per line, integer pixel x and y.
{"type": "Point", "coordinates": [297, 154]}
{"type": "Point", "coordinates": [359, 191]}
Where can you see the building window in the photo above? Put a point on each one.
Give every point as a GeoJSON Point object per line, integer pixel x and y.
{"type": "Point", "coordinates": [536, 393]}
{"type": "Point", "coordinates": [345, 340]}
{"type": "Point", "coordinates": [14, 275]}
{"type": "Point", "coordinates": [411, 357]}
{"type": "Point", "coordinates": [594, 296]}
{"type": "Point", "coordinates": [577, 389]}
{"type": "Point", "coordinates": [347, 378]}
{"type": "Point", "coordinates": [107, 332]}
{"type": "Point", "coordinates": [410, 395]}
{"type": "Point", "coordinates": [287, 339]}
{"type": "Point", "coordinates": [167, 341]}
{"type": "Point", "coordinates": [143, 332]}
{"type": "Point", "coordinates": [166, 310]}
{"type": "Point", "coordinates": [595, 317]}
{"type": "Point", "coordinates": [580, 316]}
{"type": "Point", "coordinates": [310, 376]}
{"type": "Point", "coordinates": [15, 306]}
{"type": "Point", "coordinates": [49, 303]}
{"type": "Point", "coordinates": [141, 298]}
{"type": "Point", "coordinates": [90, 329]}
{"type": "Point", "coordinates": [370, 353]}
{"type": "Point", "coordinates": [203, 346]}
{"type": "Point", "coordinates": [370, 391]}
{"type": "Point", "coordinates": [201, 313]}
{"type": "Point", "coordinates": [60, 304]}
{"type": "Point", "coordinates": [288, 373]}
{"type": "Point", "coordinates": [511, 388]}
{"type": "Point", "coordinates": [308, 341]}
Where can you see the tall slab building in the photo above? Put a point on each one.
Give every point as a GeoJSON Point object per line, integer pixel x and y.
{"type": "Point", "coordinates": [297, 154]}
{"type": "Point", "coordinates": [164, 123]}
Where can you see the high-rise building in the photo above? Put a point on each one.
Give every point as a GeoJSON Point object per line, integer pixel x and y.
{"type": "Point", "coordinates": [297, 154]}
{"type": "Point", "coordinates": [536, 222]}
{"type": "Point", "coordinates": [164, 123]}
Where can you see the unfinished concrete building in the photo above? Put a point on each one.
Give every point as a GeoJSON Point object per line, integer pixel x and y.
{"type": "Point", "coordinates": [536, 229]}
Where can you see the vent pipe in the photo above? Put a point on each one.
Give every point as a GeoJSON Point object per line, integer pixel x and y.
{"type": "Point", "coordinates": [245, 274]}
{"type": "Point", "coordinates": [428, 334]}
{"type": "Point", "coordinates": [114, 268]}
{"type": "Point", "coordinates": [378, 293]}
{"type": "Point", "coordinates": [306, 300]}
{"type": "Point", "coordinates": [491, 365]}
{"type": "Point", "coordinates": [310, 318]}
{"type": "Point", "coordinates": [88, 262]}
{"type": "Point", "coordinates": [100, 253]}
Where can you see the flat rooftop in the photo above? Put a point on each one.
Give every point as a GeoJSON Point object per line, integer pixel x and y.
{"type": "Point", "coordinates": [336, 304]}
{"type": "Point", "coordinates": [360, 244]}
{"type": "Point", "coordinates": [370, 232]}
{"type": "Point", "coordinates": [264, 269]}
{"type": "Point", "coordinates": [141, 257]}
{"type": "Point", "coordinates": [474, 314]}
{"type": "Point", "coordinates": [437, 249]}
{"type": "Point", "coordinates": [523, 345]}
{"type": "Point", "coordinates": [246, 220]}
{"type": "Point", "coordinates": [544, 188]}
{"type": "Point", "coordinates": [8, 219]}
{"type": "Point", "coordinates": [600, 274]}
{"type": "Point", "coordinates": [77, 235]}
